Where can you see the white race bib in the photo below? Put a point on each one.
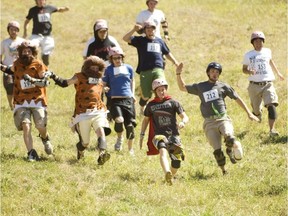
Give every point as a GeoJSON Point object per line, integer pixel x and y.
{"type": "Point", "coordinates": [92, 80]}
{"type": "Point", "coordinates": [44, 17]}
{"type": "Point", "coordinates": [211, 95]}
{"type": "Point", "coordinates": [120, 70]}
{"type": "Point", "coordinates": [153, 47]}
{"type": "Point", "coordinates": [25, 84]}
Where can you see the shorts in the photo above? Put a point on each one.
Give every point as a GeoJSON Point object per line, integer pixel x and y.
{"type": "Point", "coordinates": [8, 83]}
{"type": "Point", "coordinates": [46, 43]}
{"type": "Point", "coordinates": [257, 93]}
{"type": "Point", "coordinates": [216, 128]}
{"type": "Point", "coordinates": [123, 107]}
{"type": "Point", "coordinates": [23, 115]}
{"type": "Point", "coordinates": [95, 122]}
{"type": "Point", "coordinates": [146, 79]}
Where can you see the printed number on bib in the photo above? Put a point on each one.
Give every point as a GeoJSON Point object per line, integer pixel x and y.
{"type": "Point", "coordinates": [153, 47]}
{"type": "Point", "coordinates": [211, 95]}
{"type": "Point", "coordinates": [92, 80]}
{"type": "Point", "coordinates": [44, 17]}
{"type": "Point", "coordinates": [25, 84]}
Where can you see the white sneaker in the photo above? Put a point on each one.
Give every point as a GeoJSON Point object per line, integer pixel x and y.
{"type": "Point", "coordinates": [47, 145]}
{"type": "Point", "coordinates": [273, 133]}
{"type": "Point", "coordinates": [118, 144]}
{"type": "Point", "coordinates": [131, 152]}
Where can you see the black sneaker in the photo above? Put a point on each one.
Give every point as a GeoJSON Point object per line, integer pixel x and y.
{"type": "Point", "coordinates": [103, 157]}
{"type": "Point", "coordinates": [32, 156]}
{"type": "Point", "coordinates": [80, 154]}
{"type": "Point", "coordinates": [231, 155]}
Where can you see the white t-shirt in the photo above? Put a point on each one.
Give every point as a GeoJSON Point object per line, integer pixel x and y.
{"type": "Point", "coordinates": [157, 16]}
{"type": "Point", "coordinates": [260, 62]}
{"type": "Point", "coordinates": [9, 50]}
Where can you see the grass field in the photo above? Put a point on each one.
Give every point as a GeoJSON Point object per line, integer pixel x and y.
{"type": "Point", "coordinates": [201, 32]}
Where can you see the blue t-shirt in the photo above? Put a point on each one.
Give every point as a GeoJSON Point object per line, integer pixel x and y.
{"type": "Point", "coordinates": [150, 52]}
{"type": "Point", "coordinates": [119, 80]}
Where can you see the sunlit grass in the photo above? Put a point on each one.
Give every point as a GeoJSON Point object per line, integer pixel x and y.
{"type": "Point", "coordinates": [201, 31]}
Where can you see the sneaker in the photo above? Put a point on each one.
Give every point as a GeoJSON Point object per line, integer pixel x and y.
{"type": "Point", "coordinates": [47, 145]}
{"type": "Point", "coordinates": [224, 172]}
{"type": "Point", "coordinates": [103, 157]}
{"type": "Point", "coordinates": [80, 154]}
{"type": "Point", "coordinates": [118, 144]}
{"type": "Point", "coordinates": [168, 178]}
{"type": "Point", "coordinates": [231, 155]}
{"type": "Point", "coordinates": [32, 156]}
{"type": "Point", "coordinates": [273, 133]}
{"type": "Point", "coordinates": [131, 152]}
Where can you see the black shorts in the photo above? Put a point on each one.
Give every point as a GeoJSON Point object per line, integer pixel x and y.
{"type": "Point", "coordinates": [123, 107]}
{"type": "Point", "coordinates": [8, 83]}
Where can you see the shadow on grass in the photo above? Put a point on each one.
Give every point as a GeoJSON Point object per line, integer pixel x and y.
{"type": "Point", "coordinates": [275, 140]}
{"type": "Point", "coordinates": [242, 134]}
{"type": "Point", "coordinates": [200, 175]}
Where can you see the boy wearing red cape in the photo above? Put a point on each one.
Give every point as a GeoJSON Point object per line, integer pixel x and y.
{"type": "Point", "coordinates": [160, 113]}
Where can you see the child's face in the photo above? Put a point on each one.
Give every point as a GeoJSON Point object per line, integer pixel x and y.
{"type": "Point", "coordinates": [258, 44]}
{"type": "Point", "coordinates": [161, 92]}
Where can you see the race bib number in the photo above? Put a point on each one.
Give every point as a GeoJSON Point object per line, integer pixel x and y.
{"type": "Point", "coordinates": [211, 95]}
{"type": "Point", "coordinates": [153, 47]}
{"type": "Point", "coordinates": [92, 80]}
{"type": "Point", "coordinates": [45, 17]}
{"type": "Point", "coordinates": [120, 70]}
{"type": "Point", "coordinates": [25, 84]}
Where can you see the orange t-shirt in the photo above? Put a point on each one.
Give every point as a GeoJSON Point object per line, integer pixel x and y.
{"type": "Point", "coordinates": [24, 90]}
{"type": "Point", "coordinates": [88, 94]}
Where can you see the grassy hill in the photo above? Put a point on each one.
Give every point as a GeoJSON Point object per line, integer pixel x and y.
{"type": "Point", "coordinates": [201, 32]}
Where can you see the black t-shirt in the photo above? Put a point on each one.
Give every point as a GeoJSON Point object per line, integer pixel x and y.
{"type": "Point", "coordinates": [41, 19]}
{"type": "Point", "coordinates": [163, 114]}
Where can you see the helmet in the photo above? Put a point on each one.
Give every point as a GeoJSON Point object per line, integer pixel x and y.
{"type": "Point", "coordinates": [151, 0]}
{"type": "Point", "coordinates": [214, 65]}
{"type": "Point", "coordinates": [13, 24]}
{"type": "Point", "coordinates": [116, 51]}
{"type": "Point", "coordinates": [149, 23]}
{"type": "Point", "coordinates": [159, 82]}
{"type": "Point", "coordinates": [257, 34]}
{"type": "Point", "coordinates": [100, 24]}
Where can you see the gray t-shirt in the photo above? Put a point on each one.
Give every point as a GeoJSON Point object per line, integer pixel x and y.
{"type": "Point", "coordinates": [212, 97]}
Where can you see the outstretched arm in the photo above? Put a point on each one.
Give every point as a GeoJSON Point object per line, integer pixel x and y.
{"type": "Point", "coordinates": [244, 107]}
{"type": "Point", "coordinates": [62, 9]}
{"type": "Point", "coordinates": [171, 57]}
{"type": "Point", "coordinates": [275, 69]}
{"type": "Point", "coordinates": [145, 123]}
{"type": "Point", "coordinates": [180, 82]}
{"type": "Point", "coordinates": [64, 82]}
{"type": "Point", "coordinates": [7, 69]}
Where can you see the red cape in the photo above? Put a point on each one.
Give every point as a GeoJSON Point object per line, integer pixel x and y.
{"type": "Point", "coordinates": [151, 148]}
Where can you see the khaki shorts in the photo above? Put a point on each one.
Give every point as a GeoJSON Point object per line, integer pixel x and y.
{"type": "Point", "coordinates": [46, 43]}
{"type": "Point", "coordinates": [24, 114]}
{"type": "Point", "coordinates": [216, 128]}
{"type": "Point", "coordinates": [257, 93]}
{"type": "Point", "coordinates": [146, 79]}
{"type": "Point", "coordinates": [95, 122]}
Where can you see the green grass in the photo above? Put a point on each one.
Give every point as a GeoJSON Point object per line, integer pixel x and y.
{"type": "Point", "coordinates": [201, 31]}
